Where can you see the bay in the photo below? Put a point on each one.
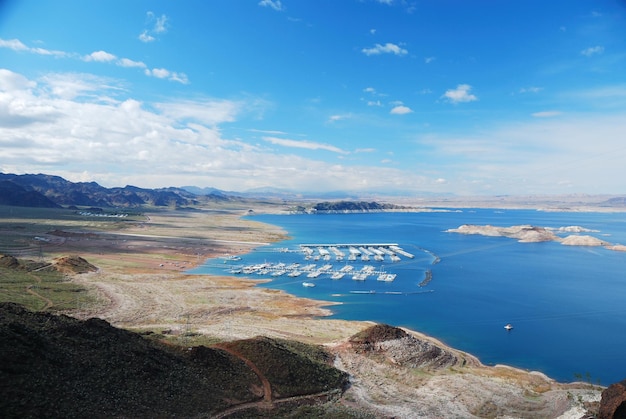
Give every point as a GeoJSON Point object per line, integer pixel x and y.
{"type": "Point", "coordinates": [566, 303]}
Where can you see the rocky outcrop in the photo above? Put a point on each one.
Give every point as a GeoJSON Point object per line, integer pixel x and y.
{"type": "Point", "coordinates": [73, 265]}
{"type": "Point", "coordinates": [401, 348]}
{"type": "Point", "coordinates": [583, 240]}
{"type": "Point", "coordinates": [534, 234]}
{"type": "Point", "coordinates": [523, 233]}
{"type": "Point", "coordinates": [613, 403]}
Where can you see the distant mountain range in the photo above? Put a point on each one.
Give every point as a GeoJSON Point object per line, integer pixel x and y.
{"type": "Point", "coordinates": [53, 191]}
{"type": "Point", "coordinates": [41, 190]}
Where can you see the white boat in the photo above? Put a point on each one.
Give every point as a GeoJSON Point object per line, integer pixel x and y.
{"type": "Point", "coordinates": [386, 277]}
{"type": "Point", "coordinates": [313, 274]}
{"type": "Point", "coordinates": [509, 326]}
{"type": "Point", "coordinates": [361, 276]}
{"type": "Point", "coordinates": [293, 274]}
{"type": "Point", "coordinates": [337, 275]}
{"type": "Point", "coordinates": [308, 284]}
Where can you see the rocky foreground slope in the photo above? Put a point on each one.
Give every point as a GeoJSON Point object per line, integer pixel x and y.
{"type": "Point", "coordinates": [58, 366]}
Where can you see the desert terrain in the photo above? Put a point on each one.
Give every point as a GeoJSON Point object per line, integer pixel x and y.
{"type": "Point", "coordinates": [141, 284]}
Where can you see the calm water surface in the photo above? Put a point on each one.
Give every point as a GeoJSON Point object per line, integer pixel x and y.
{"type": "Point", "coordinates": [567, 304]}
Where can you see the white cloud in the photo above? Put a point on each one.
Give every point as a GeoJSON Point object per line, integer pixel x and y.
{"type": "Point", "coordinates": [429, 60]}
{"type": "Point", "coordinates": [335, 118]}
{"type": "Point", "coordinates": [17, 45]}
{"type": "Point", "coordinates": [588, 52]}
{"type": "Point", "coordinates": [209, 112]}
{"type": "Point", "coordinates": [125, 62]}
{"type": "Point", "coordinates": [400, 110]}
{"type": "Point", "coordinates": [547, 114]}
{"type": "Point", "coordinates": [388, 48]}
{"type": "Point", "coordinates": [374, 103]}
{"type": "Point", "coordinates": [156, 25]}
{"type": "Point", "coordinates": [10, 81]}
{"type": "Point", "coordinates": [14, 44]}
{"type": "Point", "coordinates": [100, 56]}
{"type": "Point", "coordinates": [145, 37]}
{"type": "Point", "coordinates": [274, 4]}
{"type": "Point", "coordinates": [163, 73]}
{"type": "Point", "coordinates": [309, 145]}
{"type": "Point", "coordinates": [531, 89]}
{"type": "Point", "coordinates": [160, 24]}
{"type": "Point", "coordinates": [460, 94]}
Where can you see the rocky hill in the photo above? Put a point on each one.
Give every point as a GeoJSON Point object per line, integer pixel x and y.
{"type": "Point", "coordinates": [58, 366]}
{"type": "Point", "coordinates": [12, 193]}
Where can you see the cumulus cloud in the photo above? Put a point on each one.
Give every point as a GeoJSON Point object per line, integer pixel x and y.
{"type": "Point", "coordinates": [400, 110]}
{"type": "Point", "coordinates": [10, 81]}
{"type": "Point", "coordinates": [116, 140]}
{"type": "Point", "coordinates": [460, 94]}
{"type": "Point", "coordinates": [274, 4]}
{"type": "Point", "coordinates": [100, 56]}
{"type": "Point", "coordinates": [588, 52]}
{"type": "Point", "coordinates": [388, 48]}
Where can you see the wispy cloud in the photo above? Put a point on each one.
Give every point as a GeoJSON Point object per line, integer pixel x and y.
{"type": "Point", "coordinates": [547, 114]}
{"type": "Point", "coordinates": [429, 60]}
{"type": "Point", "coordinates": [460, 94]}
{"type": "Point", "coordinates": [531, 89]}
{"type": "Point", "coordinates": [274, 4]}
{"type": "Point", "coordinates": [99, 56]}
{"type": "Point", "coordinates": [388, 48]}
{"type": "Point", "coordinates": [309, 145]}
{"type": "Point", "coordinates": [588, 52]}
{"type": "Point", "coordinates": [126, 62]}
{"type": "Point", "coordinates": [338, 117]}
{"type": "Point", "coordinates": [163, 73]}
{"type": "Point", "coordinates": [17, 45]}
{"type": "Point", "coordinates": [156, 25]}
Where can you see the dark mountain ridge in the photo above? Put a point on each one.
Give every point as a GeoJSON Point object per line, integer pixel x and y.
{"type": "Point", "coordinates": [42, 190]}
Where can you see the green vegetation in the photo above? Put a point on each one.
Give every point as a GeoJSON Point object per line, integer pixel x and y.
{"type": "Point", "coordinates": [32, 285]}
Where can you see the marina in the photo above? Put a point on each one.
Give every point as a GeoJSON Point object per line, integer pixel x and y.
{"type": "Point", "coordinates": [349, 255]}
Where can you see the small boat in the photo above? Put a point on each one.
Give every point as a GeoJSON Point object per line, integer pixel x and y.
{"type": "Point", "coordinates": [308, 284]}
{"type": "Point", "coordinates": [509, 326]}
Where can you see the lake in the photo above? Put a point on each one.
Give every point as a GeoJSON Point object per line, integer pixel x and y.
{"type": "Point", "coordinates": [566, 303]}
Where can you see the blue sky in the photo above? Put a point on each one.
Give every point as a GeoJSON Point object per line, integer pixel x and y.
{"type": "Point", "coordinates": [465, 97]}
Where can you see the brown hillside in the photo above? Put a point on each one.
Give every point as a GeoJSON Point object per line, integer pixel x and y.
{"type": "Point", "coordinates": [58, 366]}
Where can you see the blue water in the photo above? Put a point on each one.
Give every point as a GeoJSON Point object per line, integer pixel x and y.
{"type": "Point", "coordinates": [567, 304]}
